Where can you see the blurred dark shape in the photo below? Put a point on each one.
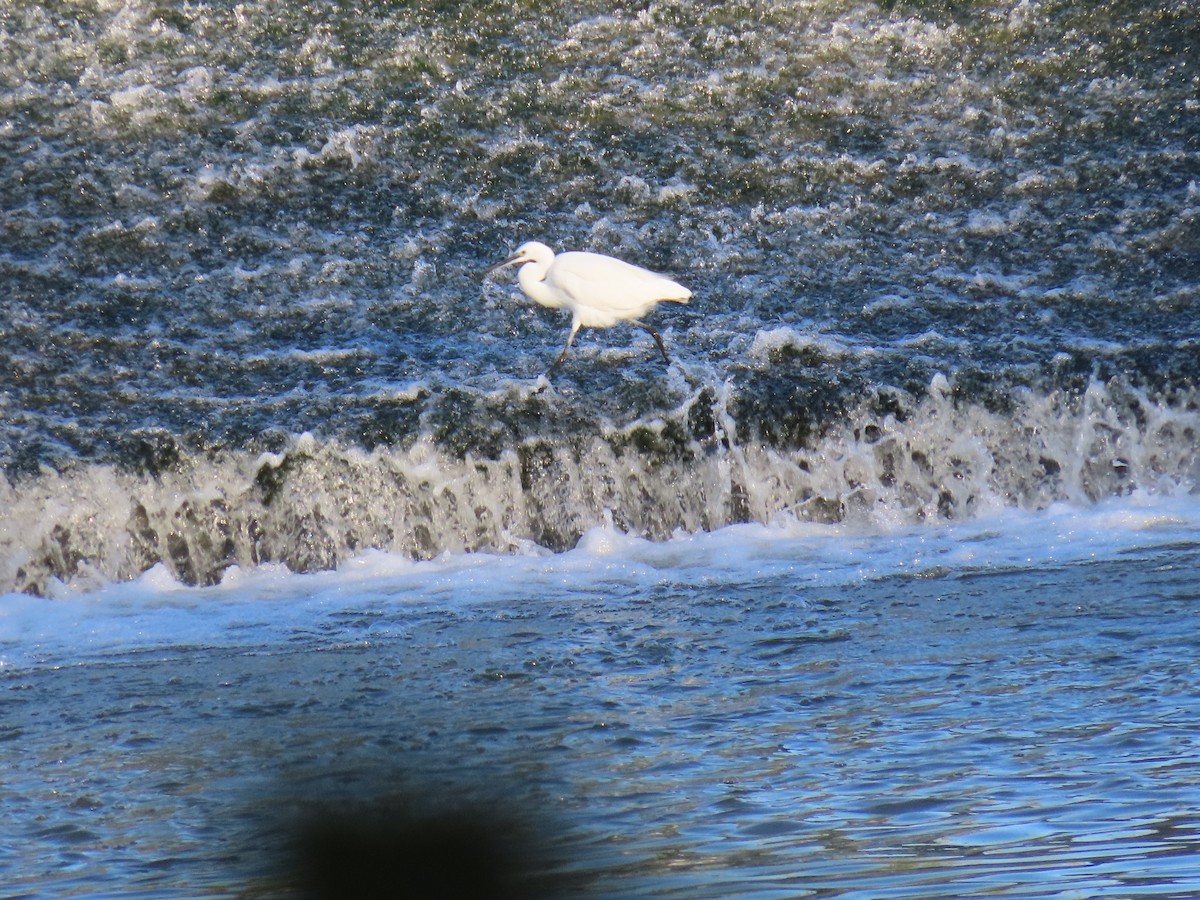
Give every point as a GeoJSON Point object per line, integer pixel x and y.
{"type": "Point", "coordinates": [397, 853]}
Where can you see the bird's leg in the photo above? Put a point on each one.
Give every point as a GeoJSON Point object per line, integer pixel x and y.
{"type": "Point", "coordinates": [658, 340]}
{"type": "Point", "coordinates": [562, 356]}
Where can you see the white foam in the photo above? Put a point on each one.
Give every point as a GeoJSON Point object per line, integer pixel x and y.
{"type": "Point", "coordinates": [983, 222]}
{"type": "Point", "coordinates": [267, 604]}
{"type": "Point", "coordinates": [772, 340]}
{"type": "Point", "coordinates": [944, 460]}
{"type": "Point", "coordinates": [356, 145]}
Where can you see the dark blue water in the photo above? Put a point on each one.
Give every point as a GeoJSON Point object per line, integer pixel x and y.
{"type": "Point", "coordinates": [1017, 733]}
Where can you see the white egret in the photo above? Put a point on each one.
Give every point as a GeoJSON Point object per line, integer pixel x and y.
{"type": "Point", "coordinates": [598, 290]}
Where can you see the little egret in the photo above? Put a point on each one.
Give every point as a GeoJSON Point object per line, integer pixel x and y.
{"type": "Point", "coordinates": [598, 290]}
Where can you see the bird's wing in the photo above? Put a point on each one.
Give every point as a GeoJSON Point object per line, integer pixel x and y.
{"type": "Point", "coordinates": [610, 285]}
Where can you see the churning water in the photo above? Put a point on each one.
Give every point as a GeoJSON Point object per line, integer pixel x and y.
{"type": "Point", "coordinates": [885, 586]}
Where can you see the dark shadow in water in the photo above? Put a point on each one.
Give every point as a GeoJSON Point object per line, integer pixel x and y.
{"type": "Point", "coordinates": [420, 846]}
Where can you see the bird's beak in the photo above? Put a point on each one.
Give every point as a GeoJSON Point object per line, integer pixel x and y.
{"type": "Point", "coordinates": [515, 258]}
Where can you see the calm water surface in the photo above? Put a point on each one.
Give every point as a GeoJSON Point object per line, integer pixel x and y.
{"type": "Point", "coordinates": [998, 733]}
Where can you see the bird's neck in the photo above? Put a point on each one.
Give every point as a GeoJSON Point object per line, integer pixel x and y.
{"type": "Point", "coordinates": [531, 277]}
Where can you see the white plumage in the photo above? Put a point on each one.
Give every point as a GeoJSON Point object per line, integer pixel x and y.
{"type": "Point", "coordinates": [600, 291]}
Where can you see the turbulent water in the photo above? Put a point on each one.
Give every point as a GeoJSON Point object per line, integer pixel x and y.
{"type": "Point", "coordinates": [945, 261]}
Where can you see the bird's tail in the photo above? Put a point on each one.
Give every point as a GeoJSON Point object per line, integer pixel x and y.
{"type": "Point", "coordinates": [677, 294]}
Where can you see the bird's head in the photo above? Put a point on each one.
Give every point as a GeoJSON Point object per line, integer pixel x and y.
{"type": "Point", "coordinates": [531, 251]}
